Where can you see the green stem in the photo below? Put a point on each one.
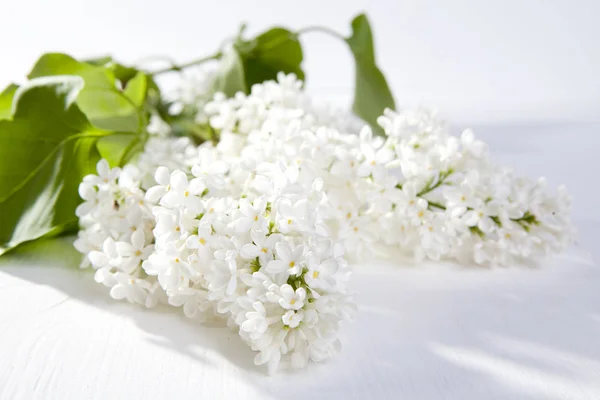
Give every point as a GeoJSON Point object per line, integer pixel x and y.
{"type": "Point", "coordinates": [440, 181]}
{"type": "Point", "coordinates": [199, 61]}
{"type": "Point", "coordinates": [435, 205]}
{"type": "Point", "coordinates": [321, 29]}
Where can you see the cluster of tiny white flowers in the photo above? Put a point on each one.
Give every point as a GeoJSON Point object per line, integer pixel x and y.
{"type": "Point", "coordinates": [417, 188]}
{"type": "Point", "coordinates": [261, 257]}
{"type": "Point", "coordinates": [257, 228]}
{"type": "Point", "coordinates": [116, 233]}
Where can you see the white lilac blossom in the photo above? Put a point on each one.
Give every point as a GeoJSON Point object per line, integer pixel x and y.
{"type": "Point", "coordinates": [248, 263]}
{"type": "Point", "coordinates": [257, 229]}
{"type": "Point", "coordinates": [417, 188]}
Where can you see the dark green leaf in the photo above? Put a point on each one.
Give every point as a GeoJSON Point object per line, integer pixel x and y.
{"type": "Point", "coordinates": [258, 60]}
{"type": "Point", "coordinates": [371, 93]}
{"type": "Point", "coordinates": [6, 98]}
{"type": "Point", "coordinates": [45, 150]}
{"type": "Point", "coordinates": [276, 50]}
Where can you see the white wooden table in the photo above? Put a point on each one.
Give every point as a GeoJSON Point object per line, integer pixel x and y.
{"type": "Point", "coordinates": [423, 332]}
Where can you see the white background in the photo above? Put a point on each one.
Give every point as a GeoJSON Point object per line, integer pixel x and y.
{"type": "Point", "coordinates": [477, 61]}
{"type": "Point", "coordinates": [526, 73]}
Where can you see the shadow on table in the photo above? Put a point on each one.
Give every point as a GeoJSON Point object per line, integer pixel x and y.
{"type": "Point", "coordinates": [168, 328]}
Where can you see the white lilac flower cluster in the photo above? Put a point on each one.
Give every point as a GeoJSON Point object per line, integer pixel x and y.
{"type": "Point", "coordinates": [417, 188]}
{"type": "Point", "coordinates": [257, 228]}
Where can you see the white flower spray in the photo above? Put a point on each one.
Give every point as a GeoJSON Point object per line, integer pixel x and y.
{"type": "Point", "coordinates": [258, 229]}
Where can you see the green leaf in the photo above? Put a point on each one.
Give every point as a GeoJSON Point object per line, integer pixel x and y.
{"type": "Point", "coordinates": [230, 76]}
{"type": "Point", "coordinates": [115, 148]}
{"type": "Point", "coordinates": [122, 72]}
{"type": "Point", "coordinates": [6, 98]}
{"type": "Point", "coordinates": [257, 60]}
{"type": "Point", "coordinates": [45, 151]}
{"type": "Point", "coordinates": [273, 51]}
{"type": "Point", "coordinates": [136, 89]}
{"type": "Point", "coordinates": [106, 106]}
{"type": "Point", "coordinates": [371, 93]}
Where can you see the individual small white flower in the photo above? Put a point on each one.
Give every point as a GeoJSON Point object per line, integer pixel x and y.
{"type": "Point", "coordinates": [89, 194]}
{"type": "Point", "coordinates": [290, 299]}
{"type": "Point", "coordinates": [256, 322]}
{"type": "Point", "coordinates": [481, 217]}
{"type": "Point", "coordinates": [374, 159]}
{"type": "Point", "coordinates": [291, 215]}
{"type": "Point", "coordinates": [130, 288]}
{"type": "Point", "coordinates": [108, 257]}
{"type": "Point", "coordinates": [201, 241]}
{"type": "Point", "coordinates": [251, 215]}
{"type": "Point", "coordinates": [172, 269]}
{"type": "Point", "coordinates": [195, 302]}
{"type": "Point", "coordinates": [167, 227]}
{"type": "Point", "coordinates": [289, 260]}
{"type": "Point", "coordinates": [322, 274]}
{"type": "Point", "coordinates": [459, 198]}
{"type": "Point", "coordinates": [410, 204]}
{"type": "Point", "coordinates": [135, 252]}
{"type": "Point", "coordinates": [182, 193]}
{"type": "Point", "coordinates": [292, 318]}
{"type": "Point", "coordinates": [106, 175]}
{"type": "Point", "coordinates": [262, 246]}
{"type": "Point", "coordinates": [162, 177]}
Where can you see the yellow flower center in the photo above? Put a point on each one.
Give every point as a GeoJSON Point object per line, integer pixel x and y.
{"type": "Point", "coordinates": [355, 229]}
{"type": "Point", "coordinates": [507, 235]}
{"type": "Point", "coordinates": [420, 214]}
{"type": "Point", "coordinates": [202, 241]}
{"type": "Point", "coordinates": [292, 264]}
{"type": "Point", "coordinates": [293, 301]}
{"type": "Point", "coordinates": [168, 187]}
{"type": "Point", "coordinates": [289, 221]}
{"type": "Point", "coordinates": [186, 193]}
{"type": "Point", "coordinates": [315, 274]}
{"type": "Point", "coordinates": [349, 215]}
{"type": "Point", "coordinates": [176, 260]}
{"type": "Point", "coordinates": [256, 217]}
{"type": "Point", "coordinates": [138, 253]}
{"type": "Point", "coordinates": [463, 198]}
{"type": "Point", "coordinates": [264, 250]}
